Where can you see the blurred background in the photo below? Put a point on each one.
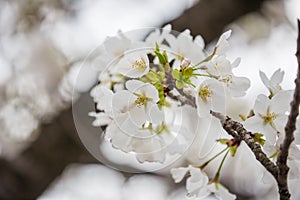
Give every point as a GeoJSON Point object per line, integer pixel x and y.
{"type": "Point", "coordinates": [42, 46]}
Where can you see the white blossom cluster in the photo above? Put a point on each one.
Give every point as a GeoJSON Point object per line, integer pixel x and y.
{"type": "Point", "coordinates": [270, 115]}
{"type": "Point", "coordinates": [142, 84]}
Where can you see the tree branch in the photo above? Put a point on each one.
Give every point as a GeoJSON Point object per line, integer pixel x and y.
{"type": "Point", "coordinates": [238, 132]}
{"type": "Point", "coordinates": [209, 17]}
{"type": "Point", "coordinates": [289, 133]}
{"type": "Point", "coordinates": [281, 169]}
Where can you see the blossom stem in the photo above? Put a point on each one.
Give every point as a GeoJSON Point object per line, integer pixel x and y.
{"type": "Point", "coordinates": [207, 75]}
{"type": "Point", "coordinates": [205, 60]}
{"type": "Point", "coordinates": [216, 179]}
{"type": "Point", "coordinates": [215, 156]}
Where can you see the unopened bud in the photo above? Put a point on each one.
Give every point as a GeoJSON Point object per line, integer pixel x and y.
{"type": "Point", "coordinates": [185, 63]}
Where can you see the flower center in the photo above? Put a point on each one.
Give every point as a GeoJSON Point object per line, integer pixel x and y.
{"type": "Point", "coordinates": [140, 65]}
{"type": "Point", "coordinates": [142, 100]}
{"type": "Point", "coordinates": [205, 93]}
{"type": "Point", "coordinates": [227, 80]}
{"type": "Point", "coordinates": [268, 118]}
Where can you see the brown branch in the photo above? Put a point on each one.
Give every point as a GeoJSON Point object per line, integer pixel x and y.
{"type": "Point", "coordinates": [289, 133]}
{"type": "Point", "coordinates": [281, 169]}
{"type": "Point", "coordinates": [237, 131]}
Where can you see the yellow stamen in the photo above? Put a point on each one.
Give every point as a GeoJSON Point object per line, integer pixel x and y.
{"type": "Point", "coordinates": [205, 92]}
{"type": "Point", "coordinates": [140, 65]}
{"type": "Point", "coordinates": [142, 100]}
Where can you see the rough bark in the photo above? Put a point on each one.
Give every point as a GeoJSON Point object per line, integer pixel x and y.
{"type": "Point", "coordinates": [237, 131]}
{"type": "Point", "coordinates": [57, 146]}
{"type": "Point", "coordinates": [289, 133]}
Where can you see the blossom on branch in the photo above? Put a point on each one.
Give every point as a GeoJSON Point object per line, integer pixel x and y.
{"type": "Point", "coordinates": [198, 184]}
{"type": "Point", "coordinates": [270, 115]}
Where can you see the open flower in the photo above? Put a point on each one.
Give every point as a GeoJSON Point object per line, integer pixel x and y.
{"type": "Point", "coordinates": [198, 185]}
{"type": "Point", "coordinates": [134, 64]}
{"type": "Point", "coordinates": [210, 95]}
{"type": "Point", "coordinates": [157, 36]}
{"type": "Point", "coordinates": [270, 115]}
{"type": "Point", "coordinates": [236, 86]}
{"type": "Point", "coordinates": [137, 105]}
{"type": "Point", "coordinates": [221, 68]}
{"type": "Point", "coordinates": [273, 84]}
{"type": "Point", "coordinates": [152, 142]}
{"type": "Point", "coordinates": [184, 47]}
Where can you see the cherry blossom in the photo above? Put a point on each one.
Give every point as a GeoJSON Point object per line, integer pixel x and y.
{"type": "Point", "coordinates": [270, 115]}
{"type": "Point", "coordinates": [198, 185]}
{"type": "Point", "coordinates": [221, 68]}
{"type": "Point", "coordinates": [273, 84]}
{"type": "Point", "coordinates": [136, 105]}
{"type": "Point", "coordinates": [134, 64]}
{"type": "Point", "coordinates": [210, 95]}
{"type": "Point", "coordinates": [157, 36]}
{"type": "Point", "coordinates": [184, 47]}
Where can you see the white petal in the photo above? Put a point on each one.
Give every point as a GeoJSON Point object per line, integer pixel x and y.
{"type": "Point", "coordinates": [294, 152]}
{"type": "Point", "coordinates": [254, 124]}
{"type": "Point", "coordinates": [222, 44]}
{"type": "Point", "coordinates": [101, 119]}
{"type": "Point", "coordinates": [261, 104]}
{"type": "Point", "coordinates": [277, 77]}
{"type": "Point", "coordinates": [134, 86]}
{"type": "Point", "coordinates": [179, 173]}
{"type": "Point", "coordinates": [269, 133]}
{"type": "Point", "coordinates": [103, 97]}
{"type": "Point", "coordinates": [264, 79]}
{"type": "Point", "coordinates": [122, 101]}
{"type": "Point", "coordinates": [280, 122]}
{"type": "Point", "coordinates": [280, 103]}
{"type": "Point", "coordinates": [151, 92]}
{"type": "Point", "coordinates": [223, 194]}
{"type": "Point", "coordinates": [239, 86]}
{"type": "Point", "coordinates": [294, 169]}
{"type": "Point", "coordinates": [138, 116]}
{"type": "Point", "coordinates": [236, 62]}
{"type": "Point", "coordinates": [154, 115]}
{"type": "Point", "coordinates": [199, 41]}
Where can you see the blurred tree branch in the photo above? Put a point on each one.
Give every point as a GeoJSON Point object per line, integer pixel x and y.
{"type": "Point", "coordinates": [209, 17]}
{"type": "Point", "coordinates": [27, 176]}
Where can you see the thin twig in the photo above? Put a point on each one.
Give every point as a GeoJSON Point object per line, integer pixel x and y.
{"type": "Point", "coordinates": [289, 133]}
